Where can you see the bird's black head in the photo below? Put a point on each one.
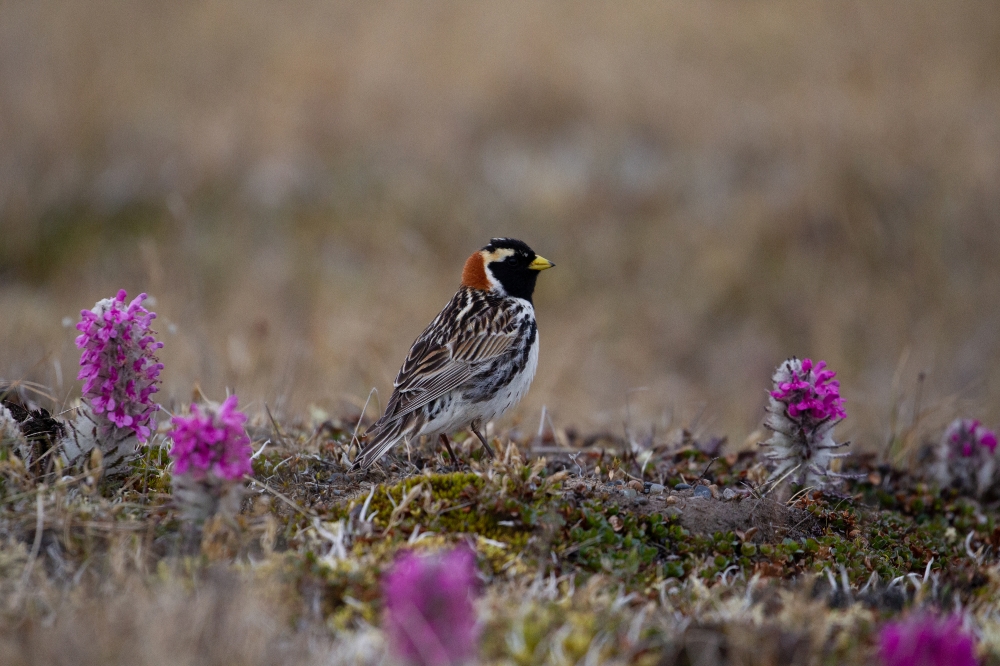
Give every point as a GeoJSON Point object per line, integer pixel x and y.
{"type": "Point", "coordinates": [505, 264]}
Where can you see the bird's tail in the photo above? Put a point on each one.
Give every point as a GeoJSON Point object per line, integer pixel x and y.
{"type": "Point", "coordinates": [382, 437]}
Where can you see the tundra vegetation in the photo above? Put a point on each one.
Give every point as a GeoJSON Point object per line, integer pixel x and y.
{"type": "Point", "coordinates": [724, 186]}
{"type": "Point", "coordinates": [213, 535]}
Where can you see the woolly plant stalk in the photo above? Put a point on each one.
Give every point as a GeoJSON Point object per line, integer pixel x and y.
{"type": "Point", "coordinates": [965, 459]}
{"type": "Point", "coordinates": [211, 453]}
{"type": "Point", "coordinates": [430, 619]}
{"type": "Point", "coordinates": [926, 640]}
{"type": "Point", "coordinates": [804, 406]}
{"type": "Point", "coordinates": [121, 372]}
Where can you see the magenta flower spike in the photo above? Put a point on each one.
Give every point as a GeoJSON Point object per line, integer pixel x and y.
{"type": "Point", "coordinates": [966, 457]}
{"type": "Point", "coordinates": [926, 641]}
{"type": "Point", "coordinates": [965, 437]}
{"type": "Point", "coordinates": [804, 406]}
{"type": "Point", "coordinates": [118, 365]}
{"type": "Point", "coordinates": [429, 615]}
{"type": "Point", "coordinates": [211, 441]}
{"type": "Point", "coordinates": [808, 392]}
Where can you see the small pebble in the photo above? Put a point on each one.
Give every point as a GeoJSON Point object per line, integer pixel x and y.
{"type": "Point", "coordinates": [656, 488]}
{"type": "Point", "coordinates": [617, 482]}
{"type": "Point", "coordinates": [629, 492]}
{"type": "Point", "coordinates": [637, 486]}
{"type": "Point", "coordinates": [714, 489]}
{"type": "Point", "coordinates": [729, 494]}
{"type": "Point", "coordinates": [702, 491]}
{"type": "Point", "coordinates": [682, 486]}
{"type": "Point", "coordinates": [672, 499]}
{"type": "Point", "coordinates": [642, 500]}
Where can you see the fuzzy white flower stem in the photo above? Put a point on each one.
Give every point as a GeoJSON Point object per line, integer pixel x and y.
{"type": "Point", "coordinates": [780, 431]}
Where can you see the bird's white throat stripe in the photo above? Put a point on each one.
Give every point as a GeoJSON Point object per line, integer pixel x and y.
{"type": "Point", "coordinates": [490, 257]}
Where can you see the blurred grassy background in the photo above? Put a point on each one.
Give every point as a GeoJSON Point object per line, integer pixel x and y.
{"type": "Point", "coordinates": [722, 185]}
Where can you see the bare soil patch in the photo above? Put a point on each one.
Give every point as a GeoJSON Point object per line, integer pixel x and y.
{"type": "Point", "coordinates": [761, 519]}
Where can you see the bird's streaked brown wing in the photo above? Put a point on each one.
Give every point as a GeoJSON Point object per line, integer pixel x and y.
{"type": "Point", "coordinates": [441, 360]}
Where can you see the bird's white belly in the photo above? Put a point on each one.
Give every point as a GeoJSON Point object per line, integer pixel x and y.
{"type": "Point", "coordinates": [458, 414]}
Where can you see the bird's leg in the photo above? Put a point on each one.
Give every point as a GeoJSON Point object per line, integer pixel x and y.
{"type": "Point", "coordinates": [447, 444]}
{"type": "Point", "coordinates": [475, 428]}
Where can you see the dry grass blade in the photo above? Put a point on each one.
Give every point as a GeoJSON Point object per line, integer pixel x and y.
{"type": "Point", "coordinates": [277, 429]}
{"type": "Point", "coordinates": [288, 501]}
{"type": "Point", "coordinates": [35, 548]}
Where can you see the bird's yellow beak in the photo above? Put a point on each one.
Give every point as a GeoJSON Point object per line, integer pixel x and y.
{"type": "Point", "coordinates": [540, 264]}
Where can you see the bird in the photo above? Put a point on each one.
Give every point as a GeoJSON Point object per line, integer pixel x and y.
{"type": "Point", "coordinates": [473, 362]}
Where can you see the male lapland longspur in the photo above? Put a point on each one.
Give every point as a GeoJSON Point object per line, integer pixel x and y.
{"type": "Point", "coordinates": [474, 361]}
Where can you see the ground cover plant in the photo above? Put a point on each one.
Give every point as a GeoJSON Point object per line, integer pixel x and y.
{"type": "Point", "coordinates": [218, 537]}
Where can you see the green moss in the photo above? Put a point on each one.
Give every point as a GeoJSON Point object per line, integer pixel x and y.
{"type": "Point", "coordinates": [456, 503]}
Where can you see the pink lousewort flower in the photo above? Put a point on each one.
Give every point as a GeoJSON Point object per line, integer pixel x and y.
{"type": "Point", "coordinates": [966, 436]}
{"type": "Point", "coordinates": [804, 407]}
{"type": "Point", "coordinates": [430, 619]}
{"type": "Point", "coordinates": [211, 441]}
{"type": "Point", "coordinates": [808, 391]}
{"type": "Point", "coordinates": [966, 458]}
{"type": "Point", "coordinates": [118, 364]}
{"type": "Point", "coordinates": [926, 641]}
